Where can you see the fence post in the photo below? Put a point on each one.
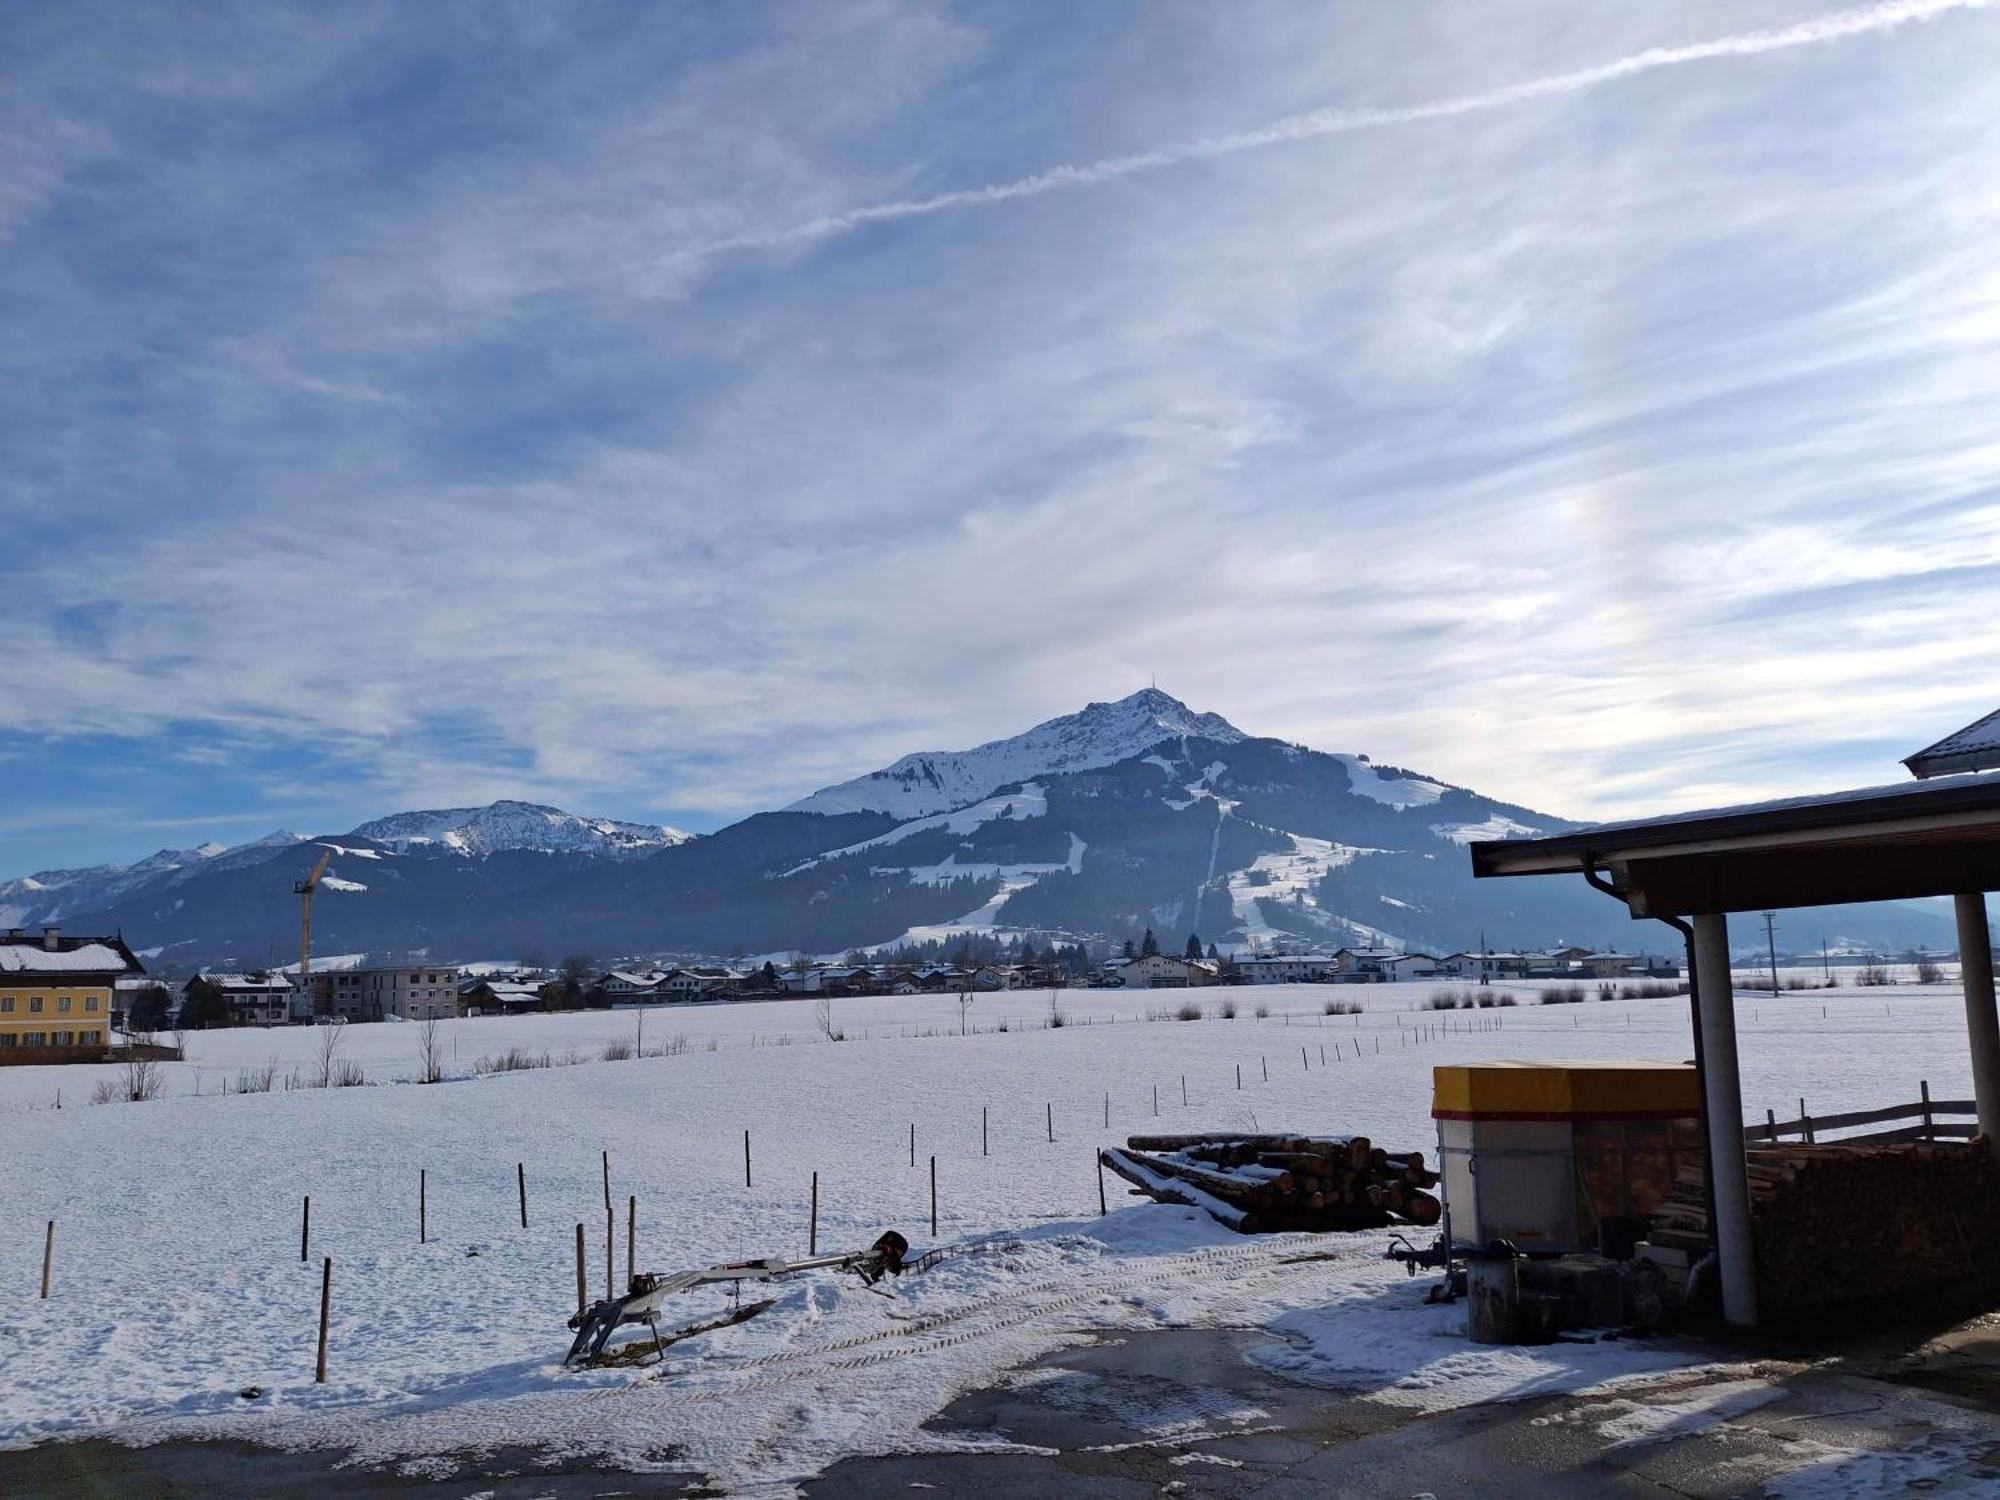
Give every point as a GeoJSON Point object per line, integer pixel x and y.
{"type": "Point", "coordinates": [610, 1263]}
{"type": "Point", "coordinates": [305, 1229]}
{"type": "Point", "coordinates": [423, 1206]}
{"type": "Point", "coordinates": [1102, 1207]}
{"type": "Point", "coordinates": [1052, 1122]}
{"type": "Point", "coordinates": [913, 1143]}
{"type": "Point", "coordinates": [933, 1197]}
{"type": "Point", "coordinates": [631, 1238]}
{"type": "Point", "coordinates": [607, 1181]}
{"type": "Point", "coordinates": [812, 1231]}
{"type": "Point", "coordinates": [1239, 1075]}
{"type": "Point", "coordinates": [521, 1181]}
{"type": "Point", "coordinates": [1925, 1087]}
{"type": "Point", "coordinates": [1183, 1091]}
{"type": "Point", "coordinates": [746, 1158]}
{"type": "Point", "coordinates": [982, 1130]}
{"type": "Point", "coordinates": [325, 1312]}
{"type": "Point", "coordinates": [582, 1275]}
{"type": "Point", "coordinates": [48, 1257]}
{"type": "Point", "coordinates": [1266, 1063]}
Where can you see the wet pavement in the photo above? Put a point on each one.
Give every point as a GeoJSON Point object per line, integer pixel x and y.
{"type": "Point", "coordinates": [1188, 1413]}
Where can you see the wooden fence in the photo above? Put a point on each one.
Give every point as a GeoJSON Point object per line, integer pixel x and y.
{"type": "Point", "coordinates": [1935, 1120]}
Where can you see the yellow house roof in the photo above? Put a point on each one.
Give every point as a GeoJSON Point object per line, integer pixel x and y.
{"type": "Point", "coordinates": [1564, 1091]}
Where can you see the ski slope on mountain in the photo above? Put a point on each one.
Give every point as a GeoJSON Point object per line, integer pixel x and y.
{"type": "Point", "coordinates": [1102, 734]}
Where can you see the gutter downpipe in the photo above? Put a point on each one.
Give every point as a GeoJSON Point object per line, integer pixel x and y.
{"type": "Point", "coordinates": [1596, 879]}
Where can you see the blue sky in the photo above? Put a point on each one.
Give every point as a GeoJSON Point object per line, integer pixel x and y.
{"type": "Point", "coordinates": [663, 411]}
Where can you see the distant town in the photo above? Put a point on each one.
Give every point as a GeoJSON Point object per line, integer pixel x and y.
{"type": "Point", "coordinates": [62, 995]}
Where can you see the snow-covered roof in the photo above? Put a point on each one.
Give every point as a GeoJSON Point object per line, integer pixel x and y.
{"type": "Point", "coordinates": [1973, 748]}
{"type": "Point", "coordinates": [256, 984]}
{"type": "Point", "coordinates": [71, 956]}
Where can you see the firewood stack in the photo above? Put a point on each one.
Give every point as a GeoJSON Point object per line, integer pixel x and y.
{"type": "Point", "coordinates": [1262, 1184]}
{"type": "Point", "coordinates": [1848, 1221]}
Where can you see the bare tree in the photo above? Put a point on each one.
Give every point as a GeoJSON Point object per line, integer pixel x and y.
{"type": "Point", "coordinates": [139, 1077]}
{"type": "Point", "coordinates": [327, 1053]}
{"type": "Point", "coordinates": [430, 1051]}
{"type": "Point", "coordinates": [823, 1016]}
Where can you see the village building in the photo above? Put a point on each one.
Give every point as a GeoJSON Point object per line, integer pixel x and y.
{"type": "Point", "coordinates": [497, 996]}
{"type": "Point", "coordinates": [634, 987]}
{"type": "Point", "coordinates": [1155, 971]}
{"type": "Point", "coordinates": [1285, 968]}
{"type": "Point", "coordinates": [379, 992]}
{"type": "Point", "coordinates": [260, 999]}
{"type": "Point", "coordinates": [56, 994]}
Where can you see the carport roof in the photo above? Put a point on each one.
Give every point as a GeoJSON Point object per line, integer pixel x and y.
{"type": "Point", "coordinates": [1881, 843]}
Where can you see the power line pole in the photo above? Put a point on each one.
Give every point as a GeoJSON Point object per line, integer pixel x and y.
{"type": "Point", "coordinates": [1771, 939]}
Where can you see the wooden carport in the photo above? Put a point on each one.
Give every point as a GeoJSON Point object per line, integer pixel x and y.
{"type": "Point", "coordinates": [1888, 843]}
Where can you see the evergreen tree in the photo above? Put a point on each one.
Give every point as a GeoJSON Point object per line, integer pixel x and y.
{"type": "Point", "coordinates": [1128, 949]}
{"type": "Point", "coordinates": [1213, 956]}
{"type": "Point", "coordinates": [1148, 945]}
{"type": "Point", "coordinates": [149, 1008]}
{"type": "Point", "coordinates": [203, 1005]}
{"type": "Point", "coordinates": [1193, 949]}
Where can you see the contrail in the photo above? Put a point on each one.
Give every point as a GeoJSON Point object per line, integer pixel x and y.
{"type": "Point", "coordinates": [1860, 21]}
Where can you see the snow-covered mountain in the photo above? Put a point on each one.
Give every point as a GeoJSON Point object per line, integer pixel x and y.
{"type": "Point", "coordinates": [48, 895]}
{"type": "Point", "coordinates": [1100, 824]}
{"type": "Point", "coordinates": [515, 825]}
{"type": "Point", "coordinates": [158, 882]}
{"type": "Point", "coordinates": [1102, 734]}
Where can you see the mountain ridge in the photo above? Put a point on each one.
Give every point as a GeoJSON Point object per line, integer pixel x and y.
{"type": "Point", "coordinates": [1095, 825]}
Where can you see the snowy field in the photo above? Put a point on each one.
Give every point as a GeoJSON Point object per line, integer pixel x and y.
{"type": "Point", "coordinates": [178, 1282]}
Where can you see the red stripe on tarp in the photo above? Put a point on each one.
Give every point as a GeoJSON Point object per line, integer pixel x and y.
{"type": "Point", "coordinates": [1545, 1117]}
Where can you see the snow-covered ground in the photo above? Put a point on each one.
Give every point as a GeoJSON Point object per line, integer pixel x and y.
{"type": "Point", "coordinates": [178, 1282]}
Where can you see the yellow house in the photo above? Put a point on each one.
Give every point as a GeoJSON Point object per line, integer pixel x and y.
{"type": "Point", "coordinates": [55, 991]}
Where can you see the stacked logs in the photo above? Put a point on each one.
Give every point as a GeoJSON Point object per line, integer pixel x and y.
{"type": "Point", "coordinates": [1261, 1184]}
{"type": "Point", "coordinates": [1845, 1222]}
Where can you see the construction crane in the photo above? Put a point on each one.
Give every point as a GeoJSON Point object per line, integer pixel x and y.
{"type": "Point", "coordinates": [305, 890]}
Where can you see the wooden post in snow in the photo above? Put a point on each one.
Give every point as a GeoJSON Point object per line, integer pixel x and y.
{"type": "Point", "coordinates": [812, 1231]}
{"type": "Point", "coordinates": [325, 1314]}
{"type": "Point", "coordinates": [582, 1274]}
{"type": "Point", "coordinates": [933, 1197]}
{"type": "Point", "coordinates": [521, 1181]}
{"type": "Point", "coordinates": [48, 1257]}
{"type": "Point", "coordinates": [423, 1206]}
{"type": "Point", "coordinates": [305, 1229]}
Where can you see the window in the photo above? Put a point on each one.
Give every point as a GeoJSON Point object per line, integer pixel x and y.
{"type": "Point", "coordinates": [7, 1004]}
{"type": "Point", "coordinates": [90, 1002]}
{"type": "Point", "coordinates": [91, 1038]}
{"type": "Point", "coordinates": [35, 1004]}
{"type": "Point", "coordinates": [8, 1039]}
{"type": "Point", "coordinates": [65, 1038]}
{"type": "Point", "coordinates": [33, 1039]}
{"type": "Point", "coordinates": [63, 1004]}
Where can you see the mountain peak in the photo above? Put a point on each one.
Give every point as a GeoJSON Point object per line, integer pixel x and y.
{"type": "Point", "coordinates": [510, 824]}
{"type": "Point", "coordinates": [1099, 734]}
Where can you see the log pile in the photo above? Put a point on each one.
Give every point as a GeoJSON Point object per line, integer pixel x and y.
{"type": "Point", "coordinates": [1851, 1221]}
{"type": "Point", "coordinates": [1261, 1184]}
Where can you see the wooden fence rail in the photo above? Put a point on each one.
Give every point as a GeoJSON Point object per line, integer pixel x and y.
{"type": "Point", "coordinates": [1929, 1115]}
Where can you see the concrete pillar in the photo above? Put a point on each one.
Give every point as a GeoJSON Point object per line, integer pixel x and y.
{"type": "Point", "coordinates": [1722, 1084]}
{"type": "Point", "coordinates": [1982, 1025]}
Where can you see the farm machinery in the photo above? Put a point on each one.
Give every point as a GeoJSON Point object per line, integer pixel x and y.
{"type": "Point", "coordinates": [649, 1291]}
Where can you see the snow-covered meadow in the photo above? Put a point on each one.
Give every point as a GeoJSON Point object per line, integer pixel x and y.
{"type": "Point", "coordinates": [178, 1281]}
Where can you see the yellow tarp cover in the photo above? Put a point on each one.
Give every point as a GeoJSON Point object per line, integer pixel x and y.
{"type": "Point", "coordinates": [1555, 1091]}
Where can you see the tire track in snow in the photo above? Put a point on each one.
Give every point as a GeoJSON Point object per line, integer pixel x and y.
{"type": "Point", "coordinates": [1006, 1313]}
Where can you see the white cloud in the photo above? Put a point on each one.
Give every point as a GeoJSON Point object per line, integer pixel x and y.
{"type": "Point", "coordinates": [1575, 446]}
